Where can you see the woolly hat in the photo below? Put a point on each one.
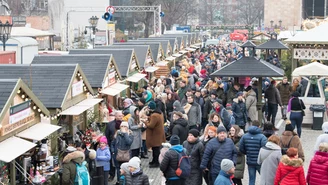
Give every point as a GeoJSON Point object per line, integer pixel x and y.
{"type": "Point", "coordinates": [203, 71]}
{"type": "Point", "coordinates": [213, 128]}
{"type": "Point", "coordinates": [221, 129]}
{"type": "Point", "coordinates": [289, 127]}
{"type": "Point", "coordinates": [124, 123]}
{"type": "Point", "coordinates": [226, 165]}
{"type": "Point", "coordinates": [152, 105]}
{"type": "Point", "coordinates": [128, 101]}
{"type": "Point", "coordinates": [174, 140]}
{"type": "Point", "coordinates": [239, 94]}
{"type": "Point", "coordinates": [134, 162]}
{"type": "Point", "coordinates": [325, 127]}
{"type": "Point", "coordinates": [296, 94]}
{"type": "Point", "coordinates": [125, 167]}
{"type": "Point", "coordinates": [198, 83]}
{"type": "Point", "coordinates": [194, 132]}
{"type": "Point", "coordinates": [228, 106]}
{"type": "Point", "coordinates": [103, 139]}
{"type": "Point", "coordinates": [92, 154]}
{"type": "Point", "coordinates": [292, 152]}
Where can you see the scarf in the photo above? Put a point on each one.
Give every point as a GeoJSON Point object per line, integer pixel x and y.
{"type": "Point", "coordinates": [117, 124]}
{"type": "Point", "coordinates": [289, 107]}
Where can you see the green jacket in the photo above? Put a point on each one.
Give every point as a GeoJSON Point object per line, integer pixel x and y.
{"type": "Point", "coordinates": [69, 166]}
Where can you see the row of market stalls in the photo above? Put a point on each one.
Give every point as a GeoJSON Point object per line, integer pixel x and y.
{"type": "Point", "coordinates": [45, 105]}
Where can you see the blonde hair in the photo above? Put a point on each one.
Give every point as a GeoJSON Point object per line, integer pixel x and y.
{"type": "Point", "coordinates": [323, 147]}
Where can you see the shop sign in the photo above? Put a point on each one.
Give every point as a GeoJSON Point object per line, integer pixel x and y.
{"type": "Point", "coordinates": [9, 128]}
{"type": "Point", "coordinates": [77, 88]}
{"type": "Point", "coordinates": [111, 78]}
{"type": "Point", "coordinates": [19, 112]}
{"type": "Point", "coordinates": [133, 65]}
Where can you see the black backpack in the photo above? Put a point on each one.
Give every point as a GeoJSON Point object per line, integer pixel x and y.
{"type": "Point", "coordinates": [285, 148]}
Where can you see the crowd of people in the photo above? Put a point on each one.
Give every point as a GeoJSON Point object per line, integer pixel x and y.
{"type": "Point", "coordinates": [210, 121]}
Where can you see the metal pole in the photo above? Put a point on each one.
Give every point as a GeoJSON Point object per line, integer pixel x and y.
{"type": "Point", "coordinates": [67, 31]}
{"type": "Point", "coordinates": [325, 9]}
{"type": "Point", "coordinates": [313, 9]}
{"type": "Point", "coordinates": [4, 42]}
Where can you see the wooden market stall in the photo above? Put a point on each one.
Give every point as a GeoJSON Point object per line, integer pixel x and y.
{"type": "Point", "coordinates": [165, 44]}
{"type": "Point", "coordinates": [173, 43]}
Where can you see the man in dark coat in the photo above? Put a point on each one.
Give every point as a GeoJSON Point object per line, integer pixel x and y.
{"type": "Point", "coordinates": [239, 110]}
{"type": "Point", "coordinates": [250, 145]}
{"type": "Point", "coordinates": [273, 96]}
{"type": "Point", "coordinates": [110, 131]}
{"type": "Point", "coordinates": [194, 113]}
{"type": "Point", "coordinates": [180, 126]}
{"type": "Point", "coordinates": [232, 92]}
{"type": "Point", "coordinates": [285, 90]}
{"type": "Point", "coordinates": [207, 107]}
{"type": "Point", "coordinates": [216, 150]}
{"type": "Point", "coordinates": [170, 162]}
{"type": "Point", "coordinates": [182, 90]}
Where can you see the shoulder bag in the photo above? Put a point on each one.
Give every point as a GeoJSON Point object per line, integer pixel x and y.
{"type": "Point", "coordinates": [302, 110]}
{"type": "Point", "coordinates": [283, 177]}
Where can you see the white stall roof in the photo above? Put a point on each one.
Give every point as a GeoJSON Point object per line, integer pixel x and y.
{"type": "Point", "coordinates": [14, 147]}
{"type": "Point", "coordinates": [317, 35]}
{"type": "Point", "coordinates": [29, 32]}
{"type": "Point", "coordinates": [312, 69]}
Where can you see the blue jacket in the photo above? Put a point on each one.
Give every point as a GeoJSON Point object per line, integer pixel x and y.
{"type": "Point", "coordinates": [223, 179]}
{"type": "Point", "coordinates": [239, 112]}
{"type": "Point", "coordinates": [122, 141]}
{"type": "Point", "coordinates": [103, 158]}
{"type": "Point", "coordinates": [226, 151]}
{"type": "Point", "coordinates": [251, 143]}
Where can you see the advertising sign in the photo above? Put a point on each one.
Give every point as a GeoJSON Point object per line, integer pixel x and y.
{"type": "Point", "coordinates": [77, 88]}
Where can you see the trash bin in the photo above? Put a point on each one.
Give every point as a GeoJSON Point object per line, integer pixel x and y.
{"type": "Point", "coordinates": [318, 115]}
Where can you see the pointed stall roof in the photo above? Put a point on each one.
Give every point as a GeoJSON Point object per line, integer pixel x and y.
{"type": "Point", "coordinates": [179, 39]}
{"type": "Point", "coordinates": [164, 43]}
{"type": "Point", "coordinates": [50, 82]}
{"type": "Point", "coordinates": [140, 50]}
{"type": "Point", "coordinates": [317, 35]}
{"type": "Point", "coordinates": [272, 44]}
{"type": "Point", "coordinates": [249, 66]}
{"type": "Point", "coordinates": [185, 37]}
{"type": "Point", "coordinates": [248, 44]}
{"type": "Point", "coordinates": [89, 64]}
{"type": "Point", "coordinates": [123, 57]}
{"type": "Point", "coordinates": [172, 41]}
{"type": "Point", "coordinates": [155, 47]}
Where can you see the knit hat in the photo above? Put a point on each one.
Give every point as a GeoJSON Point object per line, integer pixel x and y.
{"type": "Point", "coordinates": [159, 81]}
{"type": "Point", "coordinates": [92, 154]}
{"type": "Point", "coordinates": [152, 105]}
{"type": "Point", "coordinates": [292, 152]}
{"type": "Point", "coordinates": [198, 83]}
{"type": "Point", "coordinates": [228, 106]}
{"type": "Point", "coordinates": [174, 140]}
{"type": "Point", "coordinates": [194, 132]}
{"type": "Point", "coordinates": [134, 162]}
{"type": "Point", "coordinates": [128, 101]}
{"type": "Point", "coordinates": [226, 165]}
{"type": "Point", "coordinates": [124, 123]}
{"type": "Point", "coordinates": [125, 167]}
{"type": "Point", "coordinates": [289, 127]}
{"type": "Point", "coordinates": [142, 100]}
{"type": "Point", "coordinates": [103, 139]}
{"type": "Point", "coordinates": [221, 129]}
{"type": "Point", "coordinates": [239, 94]}
{"type": "Point", "coordinates": [213, 128]}
{"type": "Point", "coordinates": [325, 127]}
{"type": "Point", "coordinates": [203, 71]}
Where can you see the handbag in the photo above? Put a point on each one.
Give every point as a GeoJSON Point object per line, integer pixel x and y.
{"type": "Point", "coordinates": [123, 155]}
{"type": "Point", "coordinates": [302, 110]}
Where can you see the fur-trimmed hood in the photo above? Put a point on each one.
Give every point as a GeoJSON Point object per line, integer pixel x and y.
{"type": "Point", "coordinates": [291, 162]}
{"type": "Point", "coordinates": [76, 156]}
{"type": "Point", "coordinates": [236, 100]}
{"type": "Point", "coordinates": [92, 154]}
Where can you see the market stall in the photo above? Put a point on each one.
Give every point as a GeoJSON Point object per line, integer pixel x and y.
{"type": "Point", "coordinates": [173, 43]}
{"type": "Point", "coordinates": [179, 42]}
{"type": "Point", "coordinates": [167, 48]}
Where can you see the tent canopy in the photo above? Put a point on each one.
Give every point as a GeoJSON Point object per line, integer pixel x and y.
{"type": "Point", "coordinates": [312, 69]}
{"type": "Point", "coordinates": [317, 35]}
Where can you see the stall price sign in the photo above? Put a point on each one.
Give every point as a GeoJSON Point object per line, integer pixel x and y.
{"type": "Point", "coordinates": [19, 112]}
{"type": "Point", "coordinates": [111, 77]}
{"type": "Point", "coordinates": [77, 88]}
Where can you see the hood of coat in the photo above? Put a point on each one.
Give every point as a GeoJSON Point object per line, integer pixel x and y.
{"type": "Point", "coordinates": [236, 100]}
{"type": "Point", "coordinates": [137, 173]}
{"type": "Point", "coordinates": [92, 154]}
{"type": "Point", "coordinates": [288, 133]}
{"type": "Point", "coordinates": [272, 146]}
{"type": "Point", "coordinates": [76, 156]}
{"type": "Point", "coordinates": [294, 162]}
{"type": "Point", "coordinates": [177, 106]}
{"type": "Point", "coordinates": [132, 109]}
{"type": "Point", "coordinates": [254, 130]}
{"type": "Point", "coordinates": [181, 122]}
{"type": "Point", "coordinates": [325, 127]}
{"type": "Point", "coordinates": [321, 157]}
{"type": "Point", "coordinates": [252, 93]}
{"type": "Point", "coordinates": [178, 148]}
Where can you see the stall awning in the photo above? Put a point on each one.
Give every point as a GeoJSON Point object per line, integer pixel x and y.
{"type": "Point", "coordinates": [162, 63]}
{"type": "Point", "coordinates": [170, 58]}
{"type": "Point", "coordinates": [195, 46]}
{"type": "Point", "coordinates": [151, 69]}
{"type": "Point", "coordinates": [38, 131]}
{"type": "Point", "coordinates": [114, 89]}
{"type": "Point", "coordinates": [136, 77]}
{"type": "Point", "coordinates": [190, 49]}
{"type": "Point", "coordinates": [81, 107]}
{"type": "Point", "coordinates": [14, 147]}
{"type": "Point", "coordinates": [177, 54]}
{"type": "Point", "coordinates": [183, 51]}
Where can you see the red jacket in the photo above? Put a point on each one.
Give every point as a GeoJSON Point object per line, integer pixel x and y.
{"type": "Point", "coordinates": [290, 172]}
{"type": "Point", "coordinates": [318, 169]}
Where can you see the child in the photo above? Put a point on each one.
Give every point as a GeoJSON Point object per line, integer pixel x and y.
{"type": "Point", "coordinates": [103, 157]}
{"type": "Point", "coordinates": [136, 175]}
{"type": "Point", "coordinates": [124, 171]}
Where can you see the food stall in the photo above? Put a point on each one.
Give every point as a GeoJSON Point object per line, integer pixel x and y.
{"type": "Point", "coordinates": [173, 43]}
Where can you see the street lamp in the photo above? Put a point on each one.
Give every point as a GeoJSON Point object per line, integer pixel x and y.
{"type": "Point", "coordinates": [93, 21]}
{"type": "Point", "coordinates": [5, 31]}
{"type": "Point", "coordinates": [271, 22]}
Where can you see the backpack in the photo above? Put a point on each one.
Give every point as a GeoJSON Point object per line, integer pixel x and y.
{"type": "Point", "coordinates": [232, 119]}
{"type": "Point", "coordinates": [284, 148]}
{"type": "Point", "coordinates": [82, 174]}
{"type": "Point", "coordinates": [184, 166]}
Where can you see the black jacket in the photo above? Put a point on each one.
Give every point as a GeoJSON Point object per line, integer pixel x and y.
{"type": "Point", "coordinates": [180, 128]}
{"type": "Point", "coordinates": [136, 179]}
{"type": "Point", "coordinates": [195, 151]}
{"type": "Point", "coordinates": [207, 107]}
{"type": "Point", "coordinates": [170, 162]}
{"type": "Point", "coordinates": [110, 131]}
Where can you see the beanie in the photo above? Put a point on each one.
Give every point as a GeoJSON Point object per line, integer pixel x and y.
{"type": "Point", "coordinates": [325, 127]}
{"type": "Point", "coordinates": [152, 105]}
{"type": "Point", "coordinates": [174, 140]}
{"type": "Point", "coordinates": [103, 139]}
{"type": "Point", "coordinates": [124, 123]}
{"type": "Point", "coordinates": [221, 129]}
{"type": "Point", "coordinates": [289, 127]}
{"type": "Point", "coordinates": [134, 162]}
{"type": "Point", "coordinates": [226, 165]}
{"type": "Point", "coordinates": [228, 106]}
{"type": "Point", "coordinates": [194, 132]}
{"type": "Point", "coordinates": [239, 94]}
{"type": "Point", "coordinates": [125, 167]}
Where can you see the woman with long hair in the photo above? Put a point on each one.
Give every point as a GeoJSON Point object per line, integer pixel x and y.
{"type": "Point", "coordinates": [215, 119]}
{"type": "Point", "coordinates": [296, 107]}
{"type": "Point", "coordinates": [296, 86]}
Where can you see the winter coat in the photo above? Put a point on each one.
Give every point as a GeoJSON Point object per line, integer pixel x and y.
{"type": "Point", "coordinates": [323, 138]}
{"type": "Point", "coordinates": [251, 143]}
{"type": "Point", "coordinates": [195, 151]}
{"type": "Point", "coordinates": [251, 102]}
{"type": "Point", "coordinates": [194, 115]}
{"type": "Point", "coordinates": [170, 162]}
{"type": "Point", "coordinates": [290, 172]}
{"type": "Point", "coordinates": [182, 92]}
{"type": "Point", "coordinates": [231, 95]}
{"type": "Point", "coordinates": [285, 91]}
{"type": "Point", "coordinates": [273, 95]}
{"type": "Point", "coordinates": [240, 165]}
{"type": "Point", "coordinates": [122, 141]}
{"type": "Point", "coordinates": [159, 89]}
{"type": "Point", "coordinates": [69, 166]}
{"type": "Point", "coordinates": [223, 179]}
{"type": "Point", "coordinates": [180, 129]}
{"type": "Point", "coordinates": [166, 147]}
{"type": "Point", "coordinates": [138, 178]}
{"type": "Point", "coordinates": [318, 169]}
{"type": "Point", "coordinates": [110, 131]}
{"type": "Point", "coordinates": [155, 130]}
{"type": "Point", "coordinates": [225, 117]}
{"type": "Point", "coordinates": [239, 112]}
{"type": "Point", "coordinates": [103, 158]}
{"type": "Point", "coordinates": [221, 94]}
{"type": "Point", "coordinates": [207, 107]}
{"type": "Point", "coordinates": [295, 142]}
{"type": "Point", "coordinates": [136, 131]}
{"type": "Point", "coordinates": [269, 158]}
{"type": "Point", "coordinates": [212, 156]}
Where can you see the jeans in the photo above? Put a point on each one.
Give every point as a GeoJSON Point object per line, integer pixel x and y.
{"type": "Point", "coordinates": [252, 173]}
{"type": "Point", "coordinates": [112, 168]}
{"type": "Point", "coordinates": [144, 149]}
{"type": "Point", "coordinates": [106, 173]}
{"type": "Point", "coordinates": [284, 111]}
{"type": "Point", "coordinates": [272, 111]}
{"type": "Point", "coordinates": [297, 118]}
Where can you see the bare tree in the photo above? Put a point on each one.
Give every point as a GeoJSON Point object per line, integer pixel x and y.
{"type": "Point", "coordinates": [145, 17]}
{"type": "Point", "coordinates": [250, 11]}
